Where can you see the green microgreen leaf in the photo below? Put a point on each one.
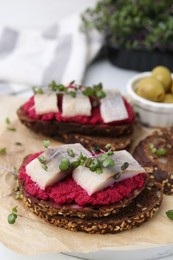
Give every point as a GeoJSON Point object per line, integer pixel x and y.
{"type": "Point", "coordinates": [96, 148]}
{"type": "Point", "coordinates": [99, 171]}
{"type": "Point", "coordinates": [7, 120]}
{"type": "Point", "coordinates": [41, 159]}
{"type": "Point", "coordinates": [89, 91]}
{"type": "Point", "coordinates": [110, 153]}
{"type": "Point", "coordinates": [64, 165]}
{"type": "Point", "coordinates": [161, 152]}
{"type": "Point", "coordinates": [70, 152]}
{"type": "Point", "coordinates": [108, 163]}
{"type": "Point", "coordinates": [72, 82]}
{"type": "Point", "coordinates": [14, 210]}
{"type": "Point", "coordinates": [75, 164]}
{"type": "Point", "coordinates": [72, 94]}
{"type": "Point", "coordinates": [117, 176]}
{"type": "Point", "coordinates": [94, 165]}
{"type": "Point", "coordinates": [37, 90]}
{"type": "Point", "coordinates": [108, 146]}
{"type": "Point", "coordinates": [12, 218]}
{"type": "Point", "coordinates": [3, 150]}
{"type": "Point", "coordinates": [18, 143]}
{"type": "Point", "coordinates": [88, 162]}
{"type": "Point", "coordinates": [11, 129]}
{"type": "Point", "coordinates": [104, 156]}
{"type": "Point", "coordinates": [124, 166]}
{"type": "Point", "coordinates": [44, 166]}
{"type": "Point", "coordinates": [169, 214]}
{"type": "Point", "coordinates": [46, 143]}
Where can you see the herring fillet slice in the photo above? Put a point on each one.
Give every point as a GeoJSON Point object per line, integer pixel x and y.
{"type": "Point", "coordinates": [112, 107]}
{"type": "Point", "coordinates": [53, 174]}
{"type": "Point", "coordinates": [45, 103]}
{"type": "Point", "coordinates": [93, 182]}
{"type": "Point", "coordinates": [74, 106]}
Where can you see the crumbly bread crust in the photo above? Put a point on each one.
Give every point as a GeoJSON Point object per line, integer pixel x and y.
{"type": "Point", "coordinates": [159, 168]}
{"type": "Point", "coordinates": [142, 208]}
{"type": "Point", "coordinates": [88, 135]}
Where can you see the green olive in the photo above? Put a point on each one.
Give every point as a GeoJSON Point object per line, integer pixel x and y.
{"type": "Point", "coordinates": [171, 89]}
{"type": "Point", "coordinates": [163, 74]}
{"type": "Point", "coordinates": [168, 98]}
{"type": "Point", "coordinates": [150, 88]}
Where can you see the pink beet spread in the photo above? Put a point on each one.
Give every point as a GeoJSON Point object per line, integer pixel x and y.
{"type": "Point", "coordinates": [95, 117]}
{"type": "Point", "coordinates": [67, 191]}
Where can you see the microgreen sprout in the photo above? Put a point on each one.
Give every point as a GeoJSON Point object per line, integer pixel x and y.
{"type": "Point", "coordinates": [169, 214]}
{"type": "Point", "coordinates": [37, 90]}
{"type": "Point", "coordinates": [70, 152]}
{"type": "Point", "coordinates": [46, 143]}
{"type": "Point", "coordinates": [3, 150]}
{"type": "Point", "coordinates": [18, 143]}
{"type": "Point", "coordinates": [65, 164]}
{"type": "Point", "coordinates": [13, 216]}
{"type": "Point", "coordinates": [9, 126]}
{"type": "Point", "coordinates": [42, 160]}
{"type": "Point", "coordinates": [157, 151]}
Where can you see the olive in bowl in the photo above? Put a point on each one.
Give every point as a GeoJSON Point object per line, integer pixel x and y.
{"type": "Point", "coordinates": [151, 113]}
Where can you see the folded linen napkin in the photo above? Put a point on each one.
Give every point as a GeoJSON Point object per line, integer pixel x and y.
{"type": "Point", "coordinates": [34, 57]}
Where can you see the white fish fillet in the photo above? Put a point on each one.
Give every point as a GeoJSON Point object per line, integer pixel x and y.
{"type": "Point", "coordinates": [45, 103]}
{"type": "Point", "coordinates": [53, 174]}
{"type": "Point", "coordinates": [74, 106]}
{"type": "Point", "coordinates": [112, 107]}
{"type": "Point", "coordinates": [93, 182]}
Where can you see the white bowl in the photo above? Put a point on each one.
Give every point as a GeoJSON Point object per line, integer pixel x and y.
{"type": "Point", "coordinates": [150, 113]}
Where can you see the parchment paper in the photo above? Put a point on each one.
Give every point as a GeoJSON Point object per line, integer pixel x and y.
{"type": "Point", "coordinates": [31, 235]}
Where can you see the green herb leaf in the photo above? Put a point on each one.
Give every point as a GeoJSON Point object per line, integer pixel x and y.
{"type": "Point", "coordinates": [96, 148]}
{"type": "Point", "coordinates": [110, 153]}
{"type": "Point", "coordinates": [161, 152]}
{"type": "Point", "coordinates": [99, 171]}
{"type": "Point", "coordinates": [44, 166]}
{"type": "Point", "coordinates": [89, 91]}
{"type": "Point", "coordinates": [108, 146]}
{"type": "Point", "coordinates": [108, 163]}
{"type": "Point", "coordinates": [3, 150]}
{"type": "Point", "coordinates": [169, 214]}
{"type": "Point", "coordinates": [18, 143]}
{"type": "Point", "coordinates": [11, 129]}
{"type": "Point", "coordinates": [46, 143]}
{"type": "Point", "coordinates": [117, 176]}
{"type": "Point", "coordinates": [72, 82]}
{"type": "Point", "coordinates": [12, 218]}
{"type": "Point", "coordinates": [70, 152]}
{"type": "Point", "coordinates": [104, 156]}
{"type": "Point", "coordinates": [64, 165]}
{"type": "Point", "coordinates": [124, 166]}
{"type": "Point", "coordinates": [14, 210]}
{"type": "Point", "coordinates": [72, 94]}
{"type": "Point", "coordinates": [75, 164]}
{"type": "Point", "coordinates": [7, 120]}
{"type": "Point", "coordinates": [41, 159]}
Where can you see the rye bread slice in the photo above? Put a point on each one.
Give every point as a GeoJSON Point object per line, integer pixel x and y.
{"type": "Point", "coordinates": [159, 168]}
{"type": "Point", "coordinates": [142, 208]}
{"type": "Point", "coordinates": [70, 132]}
{"type": "Point", "coordinates": [75, 210]}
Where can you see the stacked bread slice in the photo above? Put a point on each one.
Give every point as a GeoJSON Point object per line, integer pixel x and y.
{"type": "Point", "coordinates": [93, 215]}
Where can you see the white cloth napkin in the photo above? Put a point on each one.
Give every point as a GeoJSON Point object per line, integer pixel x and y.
{"type": "Point", "coordinates": [34, 57]}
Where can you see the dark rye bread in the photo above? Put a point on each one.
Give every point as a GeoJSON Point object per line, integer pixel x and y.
{"type": "Point", "coordinates": [75, 210]}
{"type": "Point", "coordinates": [142, 208]}
{"type": "Point", "coordinates": [69, 132]}
{"type": "Point", "coordinates": [159, 168]}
